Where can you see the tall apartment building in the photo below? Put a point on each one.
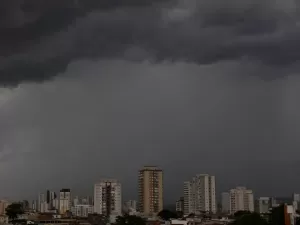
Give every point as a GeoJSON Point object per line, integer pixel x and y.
{"type": "Point", "coordinates": [150, 188]}
{"type": "Point", "coordinates": [225, 202]}
{"type": "Point", "coordinates": [50, 196]}
{"type": "Point", "coordinates": [108, 197]}
{"type": "Point", "coordinates": [180, 205]}
{"type": "Point", "coordinates": [76, 201]}
{"type": "Point", "coordinates": [64, 200]}
{"type": "Point", "coordinates": [41, 200]}
{"type": "Point", "coordinates": [34, 205]}
{"type": "Point", "coordinates": [200, 194]}
{"type": "Point", "coordinates": [241, 199]}
{"type": "Point", "coordinates": [56, 203]}
{"type": "Point", "coordinates": [262, 205]}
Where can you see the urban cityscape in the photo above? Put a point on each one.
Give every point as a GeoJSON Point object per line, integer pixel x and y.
{"type": "Point", "coordinates": [198, 199]}
{"type": "Point", "coordinates": [149, 112]}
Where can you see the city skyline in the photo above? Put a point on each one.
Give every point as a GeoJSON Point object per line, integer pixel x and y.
{"type": "Point", "coordinates": [92, 90]}
{"type": "Point", "coordinates": [188, 189]}
{"type": "Point", "coordinates": [131, 196]}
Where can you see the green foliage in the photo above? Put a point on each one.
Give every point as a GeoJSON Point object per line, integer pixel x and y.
{"type": "Point", "coordinates": [14, 210]}
{"type": "Point", "coordinates": [179, 214]}
{"type": "Point", "coordinates": [241, 213]}
{"type": "Point", "coordinates": [277, 215]}
{"type": "Point", "coordinates": [130, 220]}
{"type": "Point", "coordinates": [249, 219]}
{"type": "Point", "coordinates": [167, 214]}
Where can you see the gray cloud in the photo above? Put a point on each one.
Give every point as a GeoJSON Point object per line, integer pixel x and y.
{"type": "Point", "coordinates": [108, 118]}
{"type": "Point", "coordinates": [203, 32]}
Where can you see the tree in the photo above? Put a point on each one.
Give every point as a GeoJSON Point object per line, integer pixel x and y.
{"type": "Point", "coordinates": [130, 220]}
{"type": "Point", "coordinates": [241, 213]}
{"type": "Point", "coordinates": [14, 210]}
{"type": "Point", "coordinates": [179, 214]}
{"type": "Point", "coordinates": [167, 214]}
{"type": "Point", "coordinates": [249, 219]}
{"type": "Point", "coordinates": [277, 215]}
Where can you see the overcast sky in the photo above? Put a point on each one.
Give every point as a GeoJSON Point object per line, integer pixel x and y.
{"type": "Point", "coordinates": [93, 89]}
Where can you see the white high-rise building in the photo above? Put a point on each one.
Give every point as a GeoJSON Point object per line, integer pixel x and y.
{"type": "Point", "coordinates": [64, 201]}
{"type": "Point", "coordinates": [41, 200]}
{"type": "Point", "coordinates": [82, 210]}
{"type": "Point", "coordinates": [241, 199]}
{"type": "Point", "coordinates": [200, 194]}
{"type": "Point", "coordinates": [108, 197]}
{"type": "Point", "coordinates": [264, 204]}
{"type": "Point", "coordinates": [44, 207]}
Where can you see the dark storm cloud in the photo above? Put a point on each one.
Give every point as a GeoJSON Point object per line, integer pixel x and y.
{"type": "Point", "coordinates": [41, 38]}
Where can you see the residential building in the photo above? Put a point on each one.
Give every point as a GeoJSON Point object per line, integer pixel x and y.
{"type": "Point", "coordinates": [225, 202]}
{"type": "Point", "coordinates": [241, 199]}
{"type": "Point", "coordinates": [131, 204]}
{"type": "Point", "coordinates": [41, 200]}
{"type": "Point", "coordinates": [64, 200]}
{"type": "Point", "coordinates": [44, 207]}
{"type": "Point", "coordinates": [34, 205]}
{"type": "Point", "coordinates": [180, 205]}
{"type": "Point", "coordinates": [200, 194]}
{"type": "Point", "coordinates": [296, 201]}
{"type": "Point", "coordinates": [296, 197]}
{"type": "Point", "coordinates": [82, 210]}
{"type": "Point", "coordinates": [76, 201]}
{"type": "Point", "coordinates": [150, 190]}
{"type": "Point", "coordinates": [52, 199]}
{"type": "Point", "coordinates": [3, 206]}
{"type": "Point", "coordinates": [263, 205]}
{"type": "Point", "coordinates": [108, 197]}
{"type": "Point", "coordinates": [56, 203]}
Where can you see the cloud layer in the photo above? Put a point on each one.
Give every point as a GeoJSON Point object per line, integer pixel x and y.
{"type": "Point", "coordinates": [42, 38]}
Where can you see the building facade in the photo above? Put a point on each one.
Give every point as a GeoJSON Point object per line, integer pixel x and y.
{"type": "Point", "coordinates": [108, 197]}
{"type": "Point", "coordinates": [41, 200]}
{"type": "Point", "coordinates": [225, 202]}
{"type": "Point", "coordinates": [200, 194]}
{"type": "Point", "coordinates": [64, 201]}
{"type": "Point", "coordinates": [3, 206]}
{"type": "Point", "coordinates": [82, 210]}
{"type": "Point", "coordinates": [131, 204]}
{"type": "Point", "coordinates": [241, 199]}
{"type": "Point", "coordinates": [263, 205]}
{"type": "Point", "coordinates": [180, 205]}
{"type": "Point", "coordinates": [150, 190]}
